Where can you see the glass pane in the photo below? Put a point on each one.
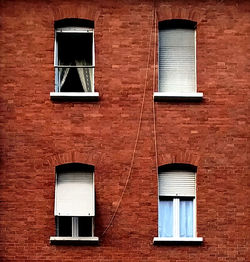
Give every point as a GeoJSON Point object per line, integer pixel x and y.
{"type": "Point", "coordinates": [75, 48]}
{"type": "Point", "coordinates": [76, 79]}
{"type": "Point", "coordinates": [166, 218]}
{"type": "Point", "coordinates": [186, 218]}
{"type": "Point", "coordinates": [85, 226]}
{"type": "Point", "coordinates": [64, 226]}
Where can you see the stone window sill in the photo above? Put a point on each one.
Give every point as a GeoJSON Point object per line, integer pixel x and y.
{"type": "Point", "coordinates": [175, 96]}
{"type": "Point", "coordinates": [74, 240]}
{"type": "Point", "coordinates": [177, 240]}
{"type": "Point", "coordinates": [74, 96]}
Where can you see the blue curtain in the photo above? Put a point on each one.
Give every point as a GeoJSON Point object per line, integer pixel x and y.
{"type": "Point", "coordinates": [165, 218]}
{"type": "Point", "coordinates": [186, 218]}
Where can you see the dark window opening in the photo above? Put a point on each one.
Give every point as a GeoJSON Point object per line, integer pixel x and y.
{"type": "Point", "coordinates": [82, 225]}
{"type": "Point", "coordinates": [74, 22]}
{"type": "Point", "coordinates": [64, 226]}
{"type": "Point", "coordinates": [75, 55]}
{"type": "Point", "coordinates": [177, 166]}
{"type": "Point", "coordinates": [72, 82]}
{"type": "Point", "coordinates": [177, 23]}
{"type": "Point", "coordinates": [75, 48]}
{"type": "Point", "coordinates": [85, 226]}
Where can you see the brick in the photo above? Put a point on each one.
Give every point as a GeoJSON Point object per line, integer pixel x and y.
{"type": "Point", "coordinates": [38, 134]}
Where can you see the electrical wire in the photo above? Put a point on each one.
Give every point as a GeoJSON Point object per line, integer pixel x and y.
{"type": "Point", "coordinates": [137, 135]}
{"type": "Point", "coordinates": [153, 106]}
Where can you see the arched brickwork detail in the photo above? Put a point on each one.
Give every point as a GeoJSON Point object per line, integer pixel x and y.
{"type": "Point", "coordinates": [167, 12]}
{"type": "Point", "coordinates": [182, 157]}
{"type": "Point", "coordinates": [90, 158]}
{"type": "Point", "coordinates": [84, 12]}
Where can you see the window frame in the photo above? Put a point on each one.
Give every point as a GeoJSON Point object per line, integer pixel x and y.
{"type": "Point", "coordinates": [176, 238]}
{"type": "Point", "coordinates": [74, 238]}
{"type": "Point", "coordinates": [71, 30]}
{"type": "Point", "coordinates": [172, 95]}
{"type": "Point", "coordinates": [68, 27]}
{"type": "Point", "coordinates": [74, 226]}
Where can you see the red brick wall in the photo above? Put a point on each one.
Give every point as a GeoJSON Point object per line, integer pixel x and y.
{"type": "Point", "coordinates": [37, 134]}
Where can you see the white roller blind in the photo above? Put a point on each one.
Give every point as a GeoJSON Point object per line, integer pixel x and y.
{"type": "Point", "coordinates": [177, 183]}
{"type": "Point", "coordinates": [74, 194]}
{"type": "Point", "coordinates": [177, 67]}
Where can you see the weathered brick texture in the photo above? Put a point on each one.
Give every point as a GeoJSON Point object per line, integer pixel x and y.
{"type": "Point", "coordinates": [38, 134]}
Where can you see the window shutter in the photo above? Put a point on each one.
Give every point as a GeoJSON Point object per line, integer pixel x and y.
{"type": "Point", "coordinates": [177, 67]}
{"type": "Point", "coordinates": [177, 183]}
{"type": "Point", "coordinates": [74, 194]}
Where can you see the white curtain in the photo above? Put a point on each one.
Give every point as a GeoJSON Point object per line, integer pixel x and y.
{"type": "Point", "coordinates": [166, 218]}
{"type": "Point", "coordinates": [85, 75]}
{"type": "Point", "coordinates": [63, 73]}
{"type": "Point", "coordinates": [186, 218]}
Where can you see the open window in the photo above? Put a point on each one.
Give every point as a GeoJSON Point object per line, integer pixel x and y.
{"type": "Point", "coordinates": [177, 61]}
{"type": "Point", "coordinates": [74, 59]}
{"type": "Point", "coordinates": [74, 204]}
{"type": "Point", "coordinates": [177, 204]}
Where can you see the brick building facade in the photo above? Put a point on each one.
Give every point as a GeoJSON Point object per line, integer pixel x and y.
{"type": "Point", "coordinates": [125, 134]}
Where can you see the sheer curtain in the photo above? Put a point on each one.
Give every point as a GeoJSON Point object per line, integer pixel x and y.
{"type": "Point", "coordinates": [85, 75]}
{"type": "Point", "coordinates": [63, 73]}
{"type": "Point", "coordinates": [166, 218]}
{"type": "Point", "coordinates": [186, 218]}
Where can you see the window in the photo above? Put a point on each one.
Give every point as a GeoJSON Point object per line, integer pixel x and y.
{"type": "Point", "coordinates": [68, 226]}
{"type": "Point", "coordinates": [177, 204]}
{"type": "Point", "coordinates": [177, 60]}
{"type": "Point", "coordinates": [74, 58]}
{"type": "Point", "coordinates": [74, 203]}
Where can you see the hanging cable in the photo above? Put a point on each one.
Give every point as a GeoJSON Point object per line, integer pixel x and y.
{"type": "Point", "coordinates": [138, 132]}
{"type": "Point", "coordinates": [153, 89]}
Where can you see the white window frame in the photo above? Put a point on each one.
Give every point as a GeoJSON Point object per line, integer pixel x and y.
{"type": "Point", "coordinates": [84, 96]}
{"type": "Point", "coordinates": [75, 238]}
{"type": "Point", "coordinates": [176, 220]}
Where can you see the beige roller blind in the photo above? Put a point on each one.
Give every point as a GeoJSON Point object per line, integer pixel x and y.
{"type": "Point", "coordinates": [177, 183]}
{"type": "Point", "coordinates": [177, 65]}
{"type": "Point", "coordinates": [74, 194]}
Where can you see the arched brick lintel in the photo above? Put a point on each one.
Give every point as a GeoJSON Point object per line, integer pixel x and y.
{"type": "Point", "coordinates": [167, 13]}
{"type": "Point", "coordinates": [86, 12]}
{"type": "Point", "coordinates": [180, 158]}
{"type": "Point", "coordinates": [89, 158]}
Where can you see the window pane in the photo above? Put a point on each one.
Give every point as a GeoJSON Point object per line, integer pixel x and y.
{"type": "Point", "coordinates": [75, 48]}
{"type": "Point", "coordinates": [166, 218]}
{"type": "Point", "coordinates": [72, 81]}
{"type": "Point", "coordinates": [64, 226]}
{"type": "Point", "coordinates": [186, 218]}
{"type": "Point", "coordinates": [85, 226]}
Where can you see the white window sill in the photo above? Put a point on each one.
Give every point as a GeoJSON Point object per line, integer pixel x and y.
{"type": "Point", "coordinates": [175, 96]}
{"type": "Point", "coordinates": [177, 240]}
{"type": "Point", "coordinates": [74, 240]}
{"type": "Point", "coordinates": [74, 96]}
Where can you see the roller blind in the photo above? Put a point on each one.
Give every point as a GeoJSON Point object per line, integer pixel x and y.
{"type": "Point", "coordinates": [74, 194]}
{"type": "Point", "coordinates": [177, 183]}
{"type": "Point", "coordinates": [177, 67]}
